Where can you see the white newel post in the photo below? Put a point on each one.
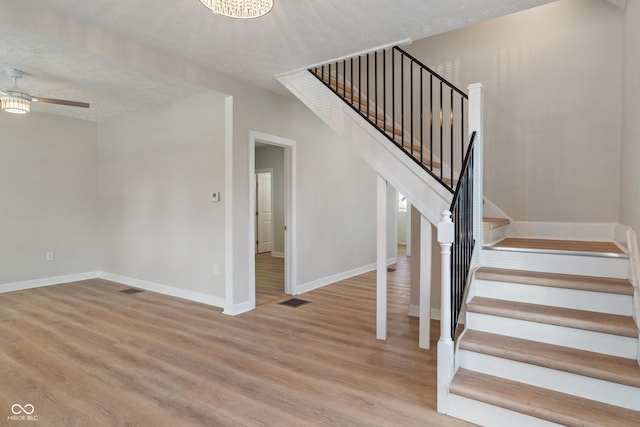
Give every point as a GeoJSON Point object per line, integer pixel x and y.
{"type": "Point", "coordinates": [381, 264]}
{"type": "Point", "coordinates": [476, 124]}
{"type": "Point", "coordinates": [445, 344]}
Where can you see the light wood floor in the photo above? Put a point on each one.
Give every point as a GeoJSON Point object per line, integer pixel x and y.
{"type": "Point", "coordinates": [269, 278]}
{"type": "Point", "coordinates": [85, 354]}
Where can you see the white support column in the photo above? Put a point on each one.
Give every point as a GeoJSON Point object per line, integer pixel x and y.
{"type": "Point", "coordinates": [476, 123]}
{"type": "Point", "coordinates": [381, 265]}
{"type": "Point", "coordinates": [445, 344]}
{"type": "Point", "coordinates": [425, 283]}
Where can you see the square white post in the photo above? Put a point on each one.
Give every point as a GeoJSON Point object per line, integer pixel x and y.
{"type": "Point", "coordinates": [381, 264]}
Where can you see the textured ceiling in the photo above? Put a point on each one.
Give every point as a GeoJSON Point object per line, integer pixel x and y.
{"type": "Point", "coordinates": [295, 34]}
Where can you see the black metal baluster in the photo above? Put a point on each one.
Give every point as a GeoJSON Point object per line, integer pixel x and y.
{"type": "Point", "coordinates": [441, 137]}
{"type": "Point", "coordinates": [402, 100]}
{"type": "Point", "coordinates": [422, 119]}
{"type": "Point", "coordinates": [451, 132]}
{"type": "Point", "coordinates": [376, 85]}
{"type": "Point", "coordinates": [411, 109]}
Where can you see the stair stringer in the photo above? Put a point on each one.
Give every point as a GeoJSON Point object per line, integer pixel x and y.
{"type": "Point", "coordinates": [388, 160]}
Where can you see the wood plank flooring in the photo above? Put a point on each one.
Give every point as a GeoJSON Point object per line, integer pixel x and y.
{"type": "Point", "coordinates": [269, 278]}
{"type": "Point", "coordinates": [85, 354]}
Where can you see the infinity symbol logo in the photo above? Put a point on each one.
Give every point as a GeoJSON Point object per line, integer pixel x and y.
{"type": "Point", "coordinates": [19, 409]}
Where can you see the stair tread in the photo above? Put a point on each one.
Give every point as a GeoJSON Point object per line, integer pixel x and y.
{"type": "Point", "coordinates": [587, 363]}
{"type": "Point", "coordinates": [580, 319]}
{"type": "Point", "coordinates": [555, 280]}
{"type": "Point", "coordinates": [559, 245]}
{"type": "Point", "coordinates": [539, 402]}
{"type": "Point", "coordinates": [494, 222]}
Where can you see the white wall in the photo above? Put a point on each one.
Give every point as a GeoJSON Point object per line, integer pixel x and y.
{"type": "Point", "coordinates": [157, 170]}
{"type": "Point", "coordinates": [272, 157]}
{"type": "Point", "coordinates": [552, 130]}
{"type": "Point", "coordinates": [630, 165]}
{"type": "Point", "coordinates": [49, 198]}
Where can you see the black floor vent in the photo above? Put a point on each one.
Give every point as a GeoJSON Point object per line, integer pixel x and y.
{"type": "Point", "coordinates": [294, 302]}
{"type": "Point", "coordinates": [131, 291]}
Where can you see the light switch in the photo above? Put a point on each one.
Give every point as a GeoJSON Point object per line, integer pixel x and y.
{"type": "Point", "coordinates": [215, 196]}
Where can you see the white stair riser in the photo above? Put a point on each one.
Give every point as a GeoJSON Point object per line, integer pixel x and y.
{"type": "Point", "coordinates": [493, 235]}
{"type": "Point", "coordinates": [564, 382]}
{"type": "Point", "coordinates": [552, 263]}
{"type": "Point", "coordinates": [488, 415]}
{"type": "Point", "coordinates": [614, 345]}
{"type": "Point", "coordinates": [556, 297]}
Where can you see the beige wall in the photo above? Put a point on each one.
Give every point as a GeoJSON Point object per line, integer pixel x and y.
{"type": "Point", "coordinates": [553, 97]}
{"type": "Point", "coordinates": [630, 165]}
{"type": "Point", "coordinates": [49, 197]}
{"type": "Point", "coordinates": [157, 170]}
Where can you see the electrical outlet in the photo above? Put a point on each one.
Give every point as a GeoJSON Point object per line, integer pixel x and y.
{"type": "Point", "coordinates": [215, 196]}
{"type": "Point", "coordinates": [49, 256]}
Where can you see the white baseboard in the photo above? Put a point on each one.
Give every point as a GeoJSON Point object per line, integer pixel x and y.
{"type": "Point", "coordinates": [277, 254]}
{"type": "Point", "coordinates": [316, 284]}
{"type": "Point", "coordinates": [328, 280]}
{"type": "Point", "coordinates": [414, 311]}
{"type": "Point", "coordinates": [47, 281]}
{"type": "Point", "coordinates": [235, 309]}
{"type": "Point", "coordinates": [164, 289]}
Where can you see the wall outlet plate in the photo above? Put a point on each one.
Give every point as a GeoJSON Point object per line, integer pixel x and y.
{"type": "Point", "coordinates": [215, 196]}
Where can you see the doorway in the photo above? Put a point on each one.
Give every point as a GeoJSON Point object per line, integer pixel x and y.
{"type": "Point", "coordinates": [272, 172]}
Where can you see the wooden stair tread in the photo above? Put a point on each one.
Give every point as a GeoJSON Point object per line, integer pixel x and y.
{"type": "Point", "coordinates": [539, 402]}
{"type": "Point", "coordinates": [559, 245]}
{"type": "Point", "coordinates": [494, 222]}
{"type": "Point", "coordinates": [595, 365]}
{"type": "Point", "coordinates": [572, 318]}
{"type": "Point", "coordinates": [567, 281]}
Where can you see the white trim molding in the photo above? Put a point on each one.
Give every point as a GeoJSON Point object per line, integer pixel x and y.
{"type": "Point", "coordinates": [47, 281]}
{"type": "Point", "coordinates": [165, 289]}
{"type": "Point", "coordinates": [329, 280]}
{"type": "Point", "coordinates": [563, 230]}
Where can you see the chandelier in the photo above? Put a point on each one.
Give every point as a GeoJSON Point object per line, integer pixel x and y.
{"type": "Point", "coordinates": [239, 8]}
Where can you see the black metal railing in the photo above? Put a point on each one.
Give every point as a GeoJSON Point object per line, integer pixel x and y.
{"type": "Point", "coordinates": [463, 243]}
{"type": "Point", "coordinates": [413, 106]}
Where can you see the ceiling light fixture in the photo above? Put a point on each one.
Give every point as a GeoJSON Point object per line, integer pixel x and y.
{"type": "Point", "coordinates": [16, 104]}
{"type": "Point", "coordinates": [239, 8]}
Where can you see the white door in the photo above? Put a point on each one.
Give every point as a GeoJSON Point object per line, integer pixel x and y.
{"type": "Point", "coordinates": [264, 213]}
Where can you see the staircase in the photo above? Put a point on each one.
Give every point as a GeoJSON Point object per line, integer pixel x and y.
{"type": "Point", "coordinates": [544, 347]}
{"type": "Point", "coordinates": [549, 336]}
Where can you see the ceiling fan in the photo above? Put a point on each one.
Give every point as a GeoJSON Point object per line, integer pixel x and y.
{"type": "Point", "coordinates": [14, 100]}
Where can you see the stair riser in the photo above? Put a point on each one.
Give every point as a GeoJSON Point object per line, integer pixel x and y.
{"type": "Point", "coordinates": [488, 415]}
{"type": "Point", "coordinates": [617, 268]}
{"type": "Point", "coordinates": [552, 334]}
{"type": "Point", "coordinates": [557, 297]}
{"type": "Point", "coordinates": [564, 382]}
{"type": "Point", "coordinates": [493, 235]}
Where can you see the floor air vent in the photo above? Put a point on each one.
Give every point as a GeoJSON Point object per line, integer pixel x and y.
{"type": "Point", "coordinates": [294, 302]}
{"type": "Point", "coordinates": [131, 291]}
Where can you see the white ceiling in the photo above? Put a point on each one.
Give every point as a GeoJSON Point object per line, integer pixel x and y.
{"type": "Point", "coordinates": [55, 42]}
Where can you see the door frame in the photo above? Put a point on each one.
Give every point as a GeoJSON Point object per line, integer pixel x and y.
{"type": "Point", "coordinates": [290, 272]}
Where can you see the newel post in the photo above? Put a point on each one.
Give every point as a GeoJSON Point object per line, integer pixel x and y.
{"type": "Point", "coordinates": [445, 343]}
{"type": "Point", "coordinates": [476, 124]}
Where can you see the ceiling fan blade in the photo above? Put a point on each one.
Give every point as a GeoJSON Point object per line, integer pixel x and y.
{"type": "Point", "coordinates": [61, 102]}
